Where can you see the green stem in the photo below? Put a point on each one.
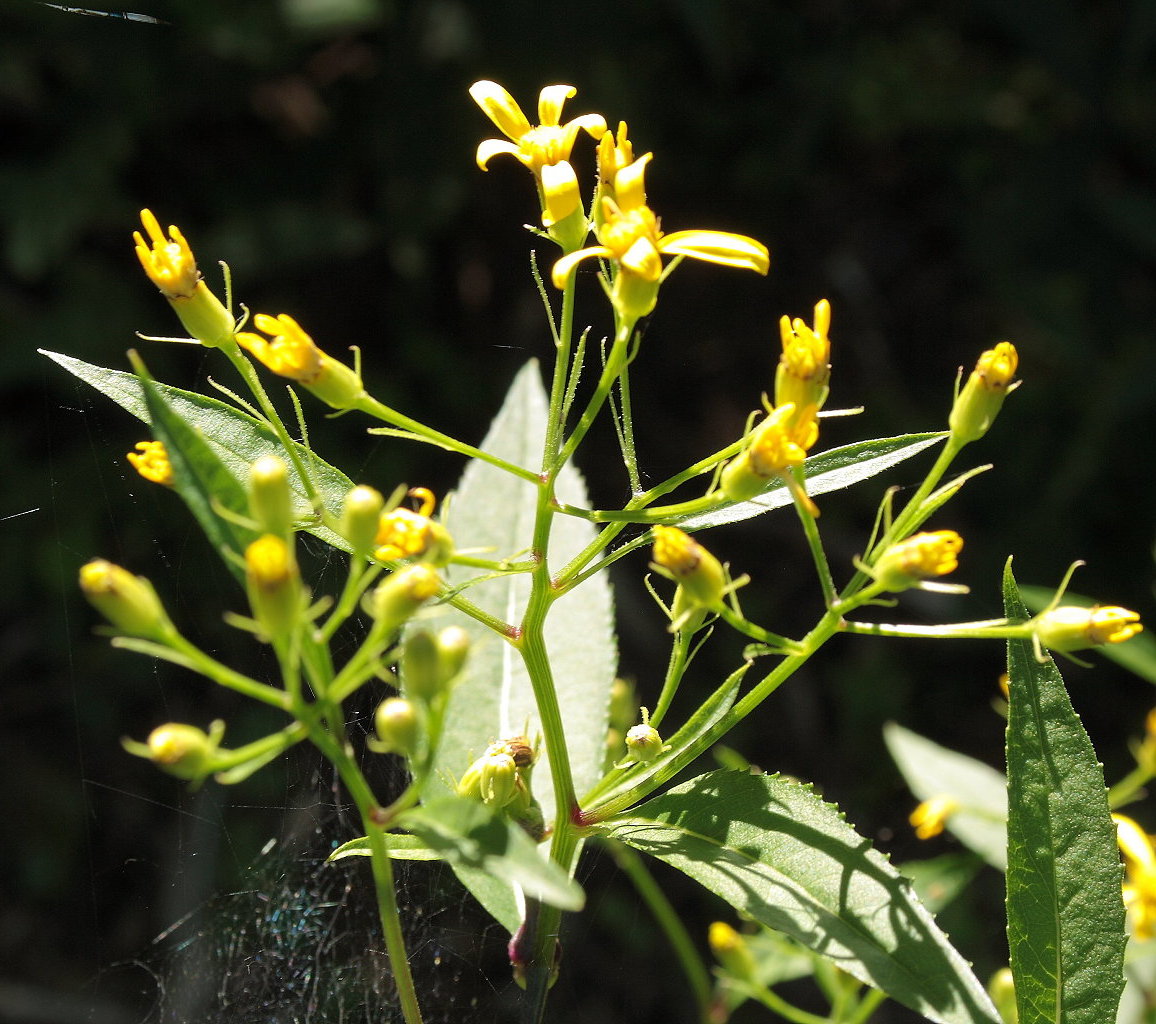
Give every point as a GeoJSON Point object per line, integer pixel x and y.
{"type": "Point", "coordinates": [867, 1006]}
{"type": "Point", "coordinates": [1127, 789]}
{"type": "Point", "coordinates": [378, 410]}
{"type": "Point", "coordinates": [987, 629]}
{"type": "Point", "coordinates": [667, 919]}
{"type": "Point", "coordinates": [679, 656]}
{"type": "Point", "coordinates": [615, 363]}
{"type": "Point", "coordinates": [818, 553]}
{"type": "Point", "coordinates": [659, 514]}
{"type": "Point", "coordinates": [626, 433]}
{"type": "Point", "coordinates": [777, 1004]}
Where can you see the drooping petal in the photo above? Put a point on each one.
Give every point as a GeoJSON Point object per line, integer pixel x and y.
{"type": "Point", "coordinates": [722, 247]}
{"type": "Point", "coordinates": [560, 273]}
{"type": "Point", "coordinates": [630, 184]}
{"type": "Point", "coordinates": [501, 108]}
{"type": "Point", "coordinates": [550, 102]}
{"type": "Point", "coordinates": [560, 191]}
{"type": "Point", "coordinates": [492, 147]}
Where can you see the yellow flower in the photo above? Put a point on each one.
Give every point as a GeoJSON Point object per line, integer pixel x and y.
{"type": "Point", "coordinates": [777, 445]}
{"type": "Point", "coordinates": [1139, 888]}
{"type": "Point", "coordinates": [1072, 628]}
{"type": "Point", "coordinates": [930, 816]}
{"type": "Point", "coordinates": [290, 352]}
{"type": "Point", "coordinates": [630, 236]}
{"type": "Point", "coordinates": [151, 461]}
{"type": "Point", "coordinates": [170, 265]}
{"type": "Point", "coordinates": [168, 261]}
{"type": "Point", "coordinates": [917, 559]}
{"type": "Point", "coordinates": [731, 951]}
{"type": "Point", "coordinates": [549, 142]}
{"type": "Point", "coordinates": [977, 405]}
{"type": "Point", "coordinates": [805, 366]}
{"type": "Point", "coordinates": [402, 533]}
{"type": "Point", "coordinates": [702, 580]}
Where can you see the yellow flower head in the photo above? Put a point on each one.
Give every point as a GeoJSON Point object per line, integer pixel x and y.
{"type": "Point", "coordinates": [919, 558]}
{"type": "Point", "coordinates": [614, 154]}
{"type": "Point", "coordinates": [289, 352]}
{"type": "Point", "coordinates": [630, 235]}
{"type": "Point", "coordinates": [805, 366]}
{"type": "Point", "coordinates": [1072, 628]}
{"type": "Point", "coordinates": [1139, 888]}
{"type": "Point", "coordinates": [930, 817]}
{"type": "Point", "coordinates": [549, 142]}
{"type": "Point", "coordinates": [777, 446]}
{"type": "Point", "coordinates": [701, 578]}
{"type": "Point", "coordinates": [405, 534]}
{"type": "Point", "coordinates": [151, 461]}
{"type": "Point", "coordinates": [168, 261]}
{"type": "Point", "coordinates": [269, 563]}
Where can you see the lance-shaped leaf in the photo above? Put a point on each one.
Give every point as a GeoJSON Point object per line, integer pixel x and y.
{"type": "Point", "coordinates": [236, 438]}
{"type": "Point", "coordinates": [980, 792]}
{"type": "Point", "coordinates": [1065, 912]}
{"type": "Point", "coordinates": [775, 851]}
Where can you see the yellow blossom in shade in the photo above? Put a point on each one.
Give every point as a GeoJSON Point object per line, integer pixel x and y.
{"type": "Point", "coordinates": [1073, 628]}
{"type": "Point", "coordinates": [630, 235]}
{"type": "Point", "coordinates": [168, 261]}
{"type": "Point", "coordinates": [151, 461]}
{"type": "Point", "coordinates": [917, 559]}
{"type": "Point", "coordinates": [731, 951]}
{"type": "Point", "coordinates": [535, 146]}
{"type": "Point", "coordinates": [930, 817]}
{"type": "Point", "coordinates": [128, 602]}
{"type": "Point", "coordinates": [805, 366]}
{"type": "Point", "coordinates": [981, 398]}
{"type": "Point", "coordinates": [1139, 889]}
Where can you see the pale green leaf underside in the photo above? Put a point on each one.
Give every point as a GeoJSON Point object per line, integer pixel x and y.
{"type": "Point", "coordinates": [400, 846]}
{"type": "Point", "coordinates": [931, 770]}
{"type": "Point", "coordinates": [1065, 913]}
{"type": "Point", "coordinates": [235, 437]}
{"type": "Point", "coordinates": [775, 851]}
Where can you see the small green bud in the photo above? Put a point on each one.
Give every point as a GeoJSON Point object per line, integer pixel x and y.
{"type": "Point", "coordinates": [273, 582]}
{"type": "Point", "coordinates": [398, 727]}
{"type": "Point", "coordinates": [643, 743]}
{"type": "Point", "coordinates": [1002, 990]}
{"type": "Point", "coordinates": [181, 750]}
{"type": "Point", "coordinates": [453, 647]}
{"type": "Point", "coordinates": [128, 602]}
{"type": "Point", "coordinates": [270, 500]}
{"type": "Point", "coordinates": [978, 403]}
{"type": "Point", "coordinates": [359, 518]}
{"type": "Point", "coordinates": [731, 951]}
{"type": "Point", "coordinates": [420, 671]}
{"type": "Point", "coordinates": [401, 594]}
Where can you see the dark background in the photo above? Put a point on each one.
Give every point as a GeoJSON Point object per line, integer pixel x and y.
{"type": "Point", "coordinates": [948, 175]}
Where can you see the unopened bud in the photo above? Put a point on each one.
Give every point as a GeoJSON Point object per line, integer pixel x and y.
{"type": "Point", "coordinates": [128, 602]}
{"type": "Point", "coordinates": [270, 499]}
{"type": "Point", "coordinates": [401, 594]}
{"type": "Point", "coordinates": [920, 557]}
{"type": "Point", "coordinates": [181, 750]}
{"type": "Point", "coordinates": [398, 727]}
{"type": "Point", "coordinates": [731, 951]}
{"type": "Point", "coordinates": [978, 403]}
{"type": "Point", "coordinates": [1072, 628]}
{"type": "Point", "coordinates": [274, 584]}
{"type": "Point", "coordinates": [643, 743]}
{"type": "Point", "coordinates": [359, 518]}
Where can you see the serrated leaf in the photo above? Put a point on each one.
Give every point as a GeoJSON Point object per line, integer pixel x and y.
{"type": "Point", "coordinates": [981, 792]}
{"type": "Point", "coordinates": [1065, 912]}
{"type": "Point", "coordinates": [236, 438]}
{"type": "Point", "coordinates": [775, 851]}
{"type": "Point", "coordinates": [1137, 655]}
{"type": "Point", "coordinates": [400, 846]}
{"type": "Point", "coordinates": [468, 834]}
{"type": "Point", "coordinates": [200, 478]}
{"type": "Point", "coordinates": [494, 511]}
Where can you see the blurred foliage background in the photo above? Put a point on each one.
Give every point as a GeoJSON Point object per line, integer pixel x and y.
{"type": "Point", "coordinates": [948, 175]}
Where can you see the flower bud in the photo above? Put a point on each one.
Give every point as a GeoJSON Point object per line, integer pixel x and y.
{"type": "Point", "coordinates": [401, 594]}
{"type": "Point", "coordinates": [270, 500]}
{"type": "Point", "coordinates": [181, 750]}
{"type": "Point", "coordinates": [453, 648]}
{"type": "Point", "coordinates": [151, 461]}
{"type": "Point", "coordinates": [1072, 628]}
{"type": "Point", "coordinates": [1002, 990]}
{"type": "Point", "coordinates": [274, 585]}
{"type": "Point", "coordinates": [731, 951]}
{"type": "Point", "coordinates": [128, 602]}
{"type": "Point", "coordinates": [805, 367]}
{"type": "Point", "coordinates": [918, 558]}
{"type": "Point", "coordinates": [398, 727]}
{"type": "Point", "coordinates": [643, 743]}
{"type": "Point", "coordinates": [977, 405]}
{"type": "Point", "coordinates": [359, 518]}
{"type": "Point", "coordinates": [420, 671]}
{"type": "Point", "coordinates": [701, 579]}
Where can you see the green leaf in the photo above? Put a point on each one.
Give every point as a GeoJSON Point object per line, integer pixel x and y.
{"type": "Point", "coordinates": [939, 880]}
{"type": "Point", "coordinates": [468, 834]}
{"type": "Point", "coordinates": [202, 480]}
{"type": "Point", "coordinates": [1137, 655]}
{"type": "Point", "coordinates": [981, 791]}
{"type": "Point", "coordinates": [400, 846]}
{"type": "Point", "coordinates": [775, 851]}
{"type": "Point", "coordinates": [494, 511]}
{"type": "Point", "coordinates": [1065, 913]}
{"type": "Point", "coordinates": [237, 438]}
{"type": "Point", "coordinates": [828, 471]}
